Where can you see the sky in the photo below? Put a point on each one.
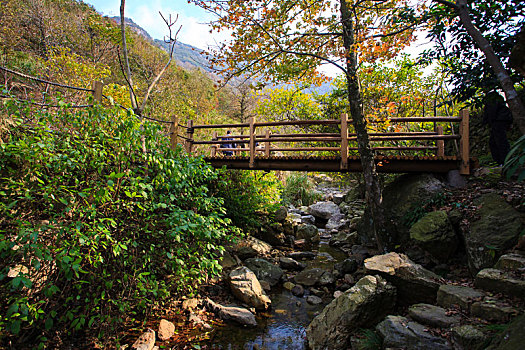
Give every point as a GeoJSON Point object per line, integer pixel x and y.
{"type": "Point", "coordinates": [193, 19]}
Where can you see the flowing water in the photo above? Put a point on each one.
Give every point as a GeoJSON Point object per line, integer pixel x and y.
{"type": "Point", "coordinates": [284, 326]}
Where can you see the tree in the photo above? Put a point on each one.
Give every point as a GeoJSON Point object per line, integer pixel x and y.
{"type": "Point", "coordinates": [289, 40]}
{"type": "Point", "coordinates": [490, 26]}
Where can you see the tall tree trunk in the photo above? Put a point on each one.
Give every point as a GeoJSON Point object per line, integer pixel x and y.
{"type": "Point", "coordinates": [513, 100]}
{"type": "Point", "coordinates": [372, 186]}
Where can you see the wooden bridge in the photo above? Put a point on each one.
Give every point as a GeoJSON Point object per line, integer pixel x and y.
{"type": "Point", "coordinates": [399, 151]}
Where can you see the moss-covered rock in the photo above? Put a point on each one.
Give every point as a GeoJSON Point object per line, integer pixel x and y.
{"type": "Point", "coordinates": [435, 234]}
{"type": "Point", "coordinates": [496, 231]}
{"type": "Point", "coordinates": [512, 337]}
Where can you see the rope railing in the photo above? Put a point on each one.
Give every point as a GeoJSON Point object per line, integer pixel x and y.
{"type": "Point", "coordinates": [44, 81]}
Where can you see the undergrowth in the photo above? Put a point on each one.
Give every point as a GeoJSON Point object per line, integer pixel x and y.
{"type": "Point", "coordinates": [92, 230]}
{"type": "Point", "coordinates": [299, 190]}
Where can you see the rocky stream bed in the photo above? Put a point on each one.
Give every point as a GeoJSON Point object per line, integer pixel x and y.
{"type": "Point", "coordinates": [310, 278]}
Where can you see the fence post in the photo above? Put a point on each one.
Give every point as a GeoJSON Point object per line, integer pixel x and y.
{"type": "Point", "coordinates": [464, 152]}
{"type": "Point", "coordinates": [214, 147]}
{"type": "Point", "coordinates": [97, 91]}
{"type": "Point", "coordinates": [174, 132]}
{"type": "Point", "coordinates": [267, 144]}
{"type": "Point", "coordinates": [344, 142]}
{"type": "Point", "coordinates": [440, 143]}
{"type": "Point", "coordinates": [251, 121]}
{"type": "Point", "coordinates": [188, 144]}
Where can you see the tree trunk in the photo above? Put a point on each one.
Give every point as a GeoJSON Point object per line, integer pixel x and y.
{"type": "Point", "coordinates": [513, 100]}
{"type": "Point", "coordinates": [372, 186]}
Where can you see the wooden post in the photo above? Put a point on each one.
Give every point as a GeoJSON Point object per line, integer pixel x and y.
{"type": "Point", "coordinates": [97, 91]}
{"type": "Point", "coordinates": [464, 152]}
{"type": "Point", "coordinates": [344, 141]}
{"type": "Point", "coordinates": [174, 131]}
{"type": "Point", "coordinates": [267, 144]}
{"type": "Point", "coordinates": [251, 121]}
{"type": "Point", "coordinates": [188, 144]}
{"type": "Point", "coordinates": [440, 143]}
{"type": "Point", "coordinates": [214, 147]}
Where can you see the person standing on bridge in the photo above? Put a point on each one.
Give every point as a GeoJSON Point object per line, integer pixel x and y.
{"type": "Point", "coordinates": [228, 145]}
{"type": "Point", "coordinates": [498, 116]}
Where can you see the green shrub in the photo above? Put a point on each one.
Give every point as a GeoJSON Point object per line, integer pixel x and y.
{"type": "Point", "coordinates": [515, 161]}
{"type": "Point", "coordinates": [103, 231]}
{"type": "Point", "coordinates": [299, 190]}
{"type": "Point", "coordinates": [247, 194]}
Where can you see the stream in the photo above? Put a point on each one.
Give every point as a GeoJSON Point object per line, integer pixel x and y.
{"type": "Point", "coordinates": [284, 325]}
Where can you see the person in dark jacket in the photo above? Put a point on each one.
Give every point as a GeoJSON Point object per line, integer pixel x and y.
{"type": "Point", "coordinates": [228, 145]}
{"type": "Point", "coordinates": [498, 116]}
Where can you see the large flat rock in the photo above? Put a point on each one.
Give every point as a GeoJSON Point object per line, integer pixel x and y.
{"type": "Point", "coordinates": [432, 315]}
{"type": "Point", "coordinates": [450, 295]}
{"type": "Point", "coordinates": [499, 281]}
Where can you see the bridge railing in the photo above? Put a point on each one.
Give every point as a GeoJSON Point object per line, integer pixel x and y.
{"type": "Point", "coordinates": [268, 142]}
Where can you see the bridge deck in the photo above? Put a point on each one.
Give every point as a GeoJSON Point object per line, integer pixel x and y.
{"type": "Point", "coordinates": [385, 164]}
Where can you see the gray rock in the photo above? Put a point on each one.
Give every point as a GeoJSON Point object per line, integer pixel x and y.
{"type": "Point", "coordinates": [302, 255]}
{"type": "Point", "coordinates": [246, 287]}
{"type": "Point", "coordinates": [315, 276]}
{"type": "Point", "coordinates": [272, 234]}
{"type": "Point", "coordinates": [491, 311]}
{"type": "Point", "coordinates": [316, 292]}
{"type": "Point", "coordinates": [338, 198]}
{"type": "Point", "coordinates": [250, 247]}
{"type": "Point", "coordinates": [298, 290]}
{"type": "Point", "coordinates": [265, 285]}
{"type": "Point", "coordinates": [227, 260]}
{"type": "Point", "coordinates": [347, 266]}
{"type": "Point", "coordinates": [336, 222]}
{"type": "Point", "coordinates": [314, 300]}
{"type": "Point", "coordinates": [190, 304]}
{"type": "Point", "coordinates": [343, 238]}
{"type": "Point", "coordinates": [449, 295]}
{"type": "Point", "coordinates": [291, 264]}
{"type": "Point", "coordinates": [324, 210]}
{"type": "Point", "coordinates": [265, 270]}
{"type": "Point", "coordinates": [511, 261]}
{"type": "Point", "coordinates": [280, 214]}
{"type": "Point", "coordinates": [435, 234]}
{"type": "Point", "coordinates": [431, 315]}
{"type": "Point", "coordinates": [455, 179]}
{"type": "Point", "coordinates": [361, 306]}
{"type": "Point", "coordinates": [499, 281]}
{"type": "Point", "coordinates": [468, 337]}
{"type": "Point", "coordinates": [414, 283]}
{"type": "Point", "coordinates": [288, 285]}
{"type": "Point", "coordinates": [308, 219]}
{"type": "Point", "coordinates": [308, 232]}
{"type": "Point", "coordinates": [231, 313]}
{"type": "Point", "coordinates": [496, 231]}
{"type": "Point", "coordinates": [399, 332]}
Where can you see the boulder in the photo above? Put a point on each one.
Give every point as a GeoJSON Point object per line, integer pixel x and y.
{"type": "Point", "coordinates": [512, 337]}
{"type": "Point", "coordinates": [343, 238]}
{"type": "Point", "coordinates": [468, 337]}
{"type": "Point", "coordinates": [402, 196]}
{"type": "Point", "coordinates": [434, 233]}
{"type": "Point", "coordinates": [265, 270]}
{"type": "Point", "coordinates": [166, 329]}
{"type": "Point", "coordinates": [511, 261]}
{"type": "Point", "coordinates": [493, 312]}
{"type": "Point", "coordinates": [414, 283]}
{"type": "Point", "coordinates": [308, 232]}
{"type": "Point", "coordinates": [338, 198]}
{"type": "Point", "coordinates": [227, 260]}
{"type": "Point", "coordinates": [246, 287]}
{"type": "Point", "coordinates": [399, 332]}
{"type": "Point", "coordinates": [363, 305]}
{"type": "Point", "coordinates": [336, 222]}
{"type": "Point", "coordinates": [315, 276]}
{"type": "Point", "coordinates": [347, 266]}
{"type": "Point", "coordinates": [496, 231]}
{"type": "Point", "coordinates": [450, 295]}
{"type": "Point", "coordinates": [280, 214]}
{"type": "Point", "coordinates": [308, 219]}
{"type": "Point", "coordinates": [324, 210]}
{"type": "Point", "coordinates": [250, 247]}
{"type": "Point", "coordinates": [232, 313]}
{"type": "Point", "coordinates": [302, 255]}
{"type": "Point", "coordinates": [146, 341]}
{"type": "Point", "coordinates": [432, 315]}
{"type": "Point", "coordinates": [288, 286]}
{"type": "Point", "coordinates": [291, 264]}
{"type": "Point", "coordinates": [499, 281]}
{"type": "Point", "coordinates": [272, 234]}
